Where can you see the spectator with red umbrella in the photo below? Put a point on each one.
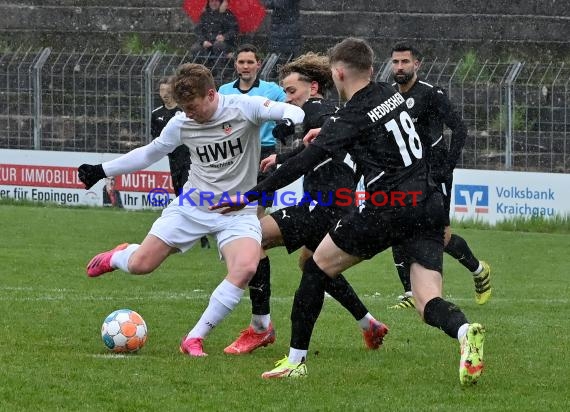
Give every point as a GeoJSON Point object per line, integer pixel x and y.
{"type": "Point", "coordinates": [217, 30]}
{"type": "Point", "coordinates": [248, 13]}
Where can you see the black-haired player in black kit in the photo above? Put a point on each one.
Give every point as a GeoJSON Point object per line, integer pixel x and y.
{"type": "Point", "coordinates": [179, 159]}
{"type": "Point", "coordinates": [430, 109]}
{"type": "Point", "coordinates": [305, 81]}
{"type": "Point", "coordinates": [403, 208]}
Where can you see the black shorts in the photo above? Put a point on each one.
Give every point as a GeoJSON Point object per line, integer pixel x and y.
{"type": "Point", "coordinates": [266, 151]}
{"type": "Point", "coordinates": [419, 230]}
{"type": "Point", "coordinates": [301, 226]}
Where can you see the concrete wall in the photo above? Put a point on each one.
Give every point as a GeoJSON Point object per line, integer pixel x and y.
{"type": "Point", "coordinates": [443, 28]}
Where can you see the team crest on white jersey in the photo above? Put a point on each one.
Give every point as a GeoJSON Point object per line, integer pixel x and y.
{"type": "Point", "coordinates": [227, 128]}
{"type": "Point", "coordinates": [410, 102]}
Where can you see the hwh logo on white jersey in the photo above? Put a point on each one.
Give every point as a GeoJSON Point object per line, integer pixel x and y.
{"type": "Point", "coordinates": [216, 151]}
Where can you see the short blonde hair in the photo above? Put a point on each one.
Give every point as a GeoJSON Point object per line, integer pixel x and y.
{"type": "Point", "coordinates": [190, 81]}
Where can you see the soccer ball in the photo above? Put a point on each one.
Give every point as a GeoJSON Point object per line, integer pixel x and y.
{"type": "Point", "coordinates": [124, 330]}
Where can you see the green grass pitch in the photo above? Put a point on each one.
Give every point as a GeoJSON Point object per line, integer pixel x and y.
{"type": "Point", "coordinates": [52, 356]}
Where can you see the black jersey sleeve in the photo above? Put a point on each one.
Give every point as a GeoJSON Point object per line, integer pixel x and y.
{"type": "Point", "coordinates": [339, 131]}
{"type": "Point", "coordinates": [451, 119]}
{"type": "Point", "coordinates": [317, 111]}
{"type": "Point", "coordinates": [289, 171]}
{"type": "Point", "coordinates": [282, 157]}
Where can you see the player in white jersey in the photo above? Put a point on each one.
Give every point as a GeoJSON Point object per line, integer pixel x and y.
{"type": "Point", "coordinates": [222, 133]}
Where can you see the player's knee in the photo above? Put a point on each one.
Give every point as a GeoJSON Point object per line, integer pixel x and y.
{"type": "Point", "coordinates": [242, 273]}
{"type": "Point", "coordinates": [141, 265]}
{"type": "Point", "coordinates": [247, 269]}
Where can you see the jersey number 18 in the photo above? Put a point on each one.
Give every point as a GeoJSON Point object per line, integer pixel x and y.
{"type": "Point", "coordinates": [415, 146]}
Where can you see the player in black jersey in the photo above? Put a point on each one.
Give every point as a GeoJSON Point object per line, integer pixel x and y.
{"type": "Point", "coordinates": [430, 109]}
{"type": "Point", "coordinates": [179, 159]}
{"type": "Point", "coordinates": [305, 80]}
{"type": "Point", "coordinates": [402, 208]}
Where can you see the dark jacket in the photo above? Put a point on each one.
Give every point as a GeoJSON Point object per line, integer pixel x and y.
{"type": "Point", "coordinates": [213, 23]}
{"type": "Point", "coordinates": [285, 29]}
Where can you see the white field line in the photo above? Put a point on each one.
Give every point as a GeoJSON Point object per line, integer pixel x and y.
{"type": "Point", "coordinates": [112, 356]}
{"type": "Point", "coordinates": [14, 294]}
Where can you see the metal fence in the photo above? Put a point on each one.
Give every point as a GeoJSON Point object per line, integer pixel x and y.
{"type": "Point", "coordinates": [517, 112]}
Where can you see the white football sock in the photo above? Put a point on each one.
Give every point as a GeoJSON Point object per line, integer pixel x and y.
{"type": "Point", "coordinates": [260, 323]}
{"type": "Point", "coordinates": [120, 259]}
{"type": "Point", "coordinates": [479, 269]}
{"type": "Point", "coordinates": [297, 355]}
{"type": "Point", "coordinates": [365, 321]}
{"type": "Point", "coordinates": [223, 300]}
{"type": "Point", "coordinates": [462, 331]}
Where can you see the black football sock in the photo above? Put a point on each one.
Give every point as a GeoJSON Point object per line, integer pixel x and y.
{"type": "Point", "coordinates": [402, 266]}
{"type": "Point", "coordinates": [342, 291]}
{"type": "Point", "coordinates": [444, 315]}
{"type": "Point", "coordinates": [307, 304]}
{"type": "Point", "coordinates": [204, 242]}
{"type": "Point", "coordinates": [458, 248]}
{"type": "Point", "coordinates": [260, 288]}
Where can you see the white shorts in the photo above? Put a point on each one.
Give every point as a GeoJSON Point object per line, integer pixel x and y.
{"type": "Point", "coordinates": [182, 226]}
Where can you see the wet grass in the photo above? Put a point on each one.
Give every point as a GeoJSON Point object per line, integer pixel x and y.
{"type": "Point", "coordinates": [53, 358]}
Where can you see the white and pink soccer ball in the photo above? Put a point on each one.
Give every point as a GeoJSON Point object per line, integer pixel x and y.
{"type": "Point", "coordinates": [124, 330]}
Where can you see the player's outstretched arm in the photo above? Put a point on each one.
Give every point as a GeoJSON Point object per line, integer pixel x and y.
{"type": "Point", "coordinates": [261, 109]}
{"type": "Point", "coordinates": [289, 171]}
{"type": "Point", "coordinates": [137, 159]}
{"type": "Point", "coordinates": [233, 204]}
{"type": "Point", "coordinates": [284, 156]}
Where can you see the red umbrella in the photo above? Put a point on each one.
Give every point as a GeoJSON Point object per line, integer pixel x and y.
{"type": "Point", "coordinates": [249, 13]}
{"type": "Point", "coordinates": [194, 9]}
